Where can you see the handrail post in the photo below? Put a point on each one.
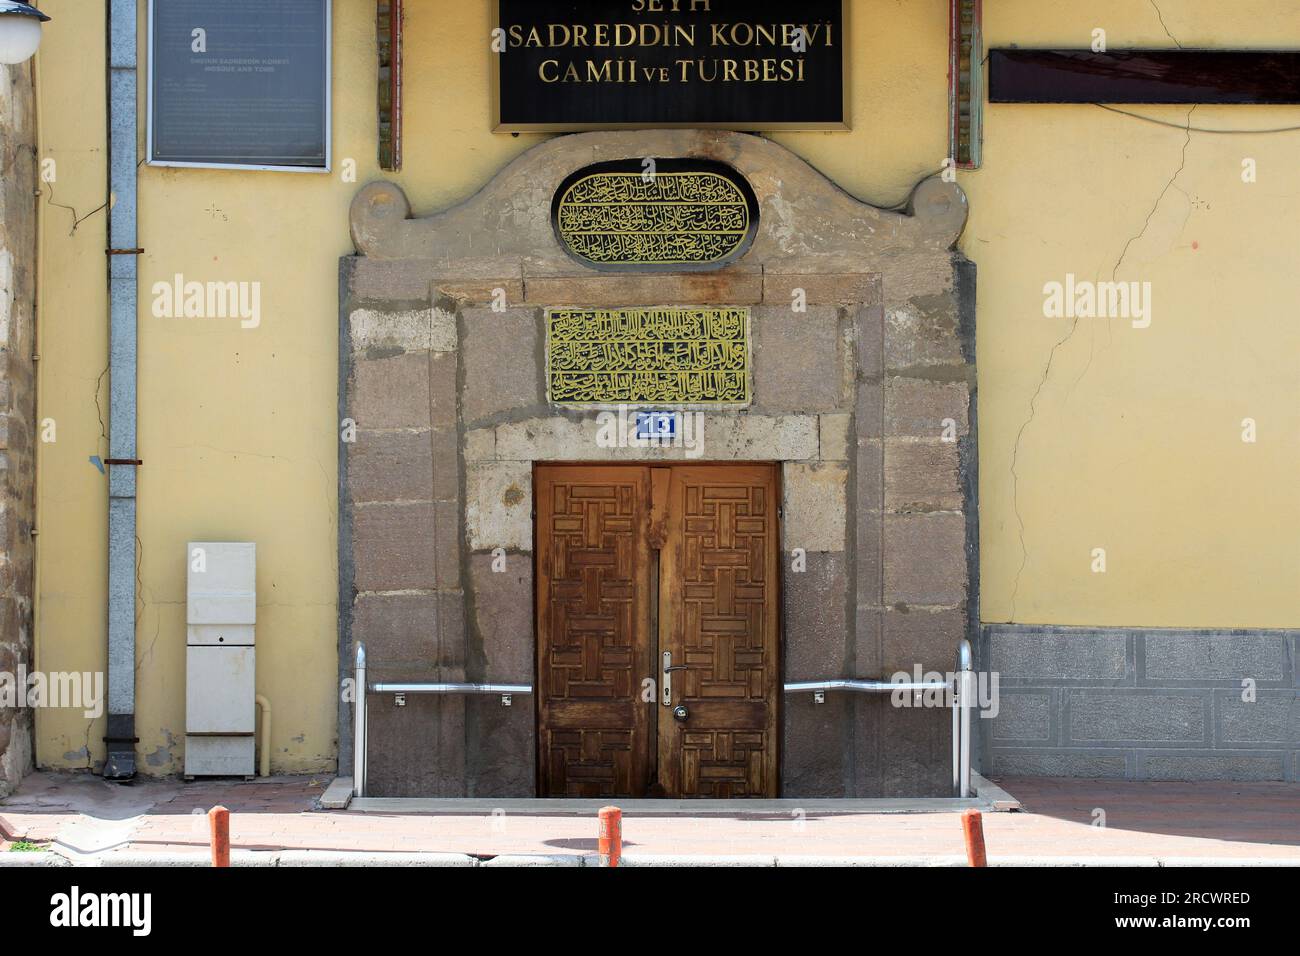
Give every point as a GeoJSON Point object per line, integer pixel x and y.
{"type": "Point", "coordinates": [965, 700]}
{"type": "Point", "coordinates": [956, 735]}
{"type": "Point", "coordinates": [359, 725]}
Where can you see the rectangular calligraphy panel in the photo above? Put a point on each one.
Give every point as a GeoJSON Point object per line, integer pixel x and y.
{"type": "Point", "coordinates": [661, 356]}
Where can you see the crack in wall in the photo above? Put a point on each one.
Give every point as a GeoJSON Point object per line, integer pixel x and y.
{"type": "Point", "coordinates": [1182, 164]}
{"type": "Point", "coordinates": [99, 409]}
{"type": "Point", "coordinates": [1051, 359]}
{"type": "Point", "coordinates": [1162, 24]}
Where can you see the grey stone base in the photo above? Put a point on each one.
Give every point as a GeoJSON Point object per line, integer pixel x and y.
{"type": "Point", "coordinates": [1143, 703]}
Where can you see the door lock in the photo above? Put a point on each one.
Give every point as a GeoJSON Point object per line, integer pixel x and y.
{"type": "Point", "coordinates": [681, 713]}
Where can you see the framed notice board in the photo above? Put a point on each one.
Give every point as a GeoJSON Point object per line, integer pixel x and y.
{"type": "Point", "coordinates": [563, 65]}
{"type": "Point", "coordinates": [243, 84]}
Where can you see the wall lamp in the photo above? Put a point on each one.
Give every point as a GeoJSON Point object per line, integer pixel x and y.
{"type": "Point", "coordinates": [20, 30]}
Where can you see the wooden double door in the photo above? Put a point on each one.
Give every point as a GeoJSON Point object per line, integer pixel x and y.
{"type": "Point", "coordinates": [658, 660]}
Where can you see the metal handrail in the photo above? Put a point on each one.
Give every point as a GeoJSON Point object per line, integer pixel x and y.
{"type": "Point", "coordinates": [360, 723]}
{"type": "Point", "coordinates": [863, 686]}
{"type": "Point", "coordinates": [450, 688]}
{"type": "Point", "coordinates": [962, 687]}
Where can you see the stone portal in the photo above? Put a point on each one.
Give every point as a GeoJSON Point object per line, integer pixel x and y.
{"type": "Point", "coordinates": [799, 328]}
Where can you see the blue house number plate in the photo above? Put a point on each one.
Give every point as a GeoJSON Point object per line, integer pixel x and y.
{"type": "Point", "coordinates": [656, 425]}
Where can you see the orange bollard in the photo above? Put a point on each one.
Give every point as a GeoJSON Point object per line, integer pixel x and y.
{"type": "Point", "coordinates": [219, 823]}
{"type": "Point", "coordinates": [611, 836]}
{"type": "Point", "coordinates": [972, 825]}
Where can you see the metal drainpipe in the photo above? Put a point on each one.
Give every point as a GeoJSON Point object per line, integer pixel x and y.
{"type": "Point", "coordinates": [122, 270]}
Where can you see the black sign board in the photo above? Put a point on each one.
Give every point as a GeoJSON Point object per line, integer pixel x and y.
{"type": "Point", "coordinates": [1145, 76]}
{"type": "Point", "coordinates": [241, 83]}
{"type": "Point", "coordinates": [619, 64]}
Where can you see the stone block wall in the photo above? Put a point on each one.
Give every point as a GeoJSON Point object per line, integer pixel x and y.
{"type": "Point", "coordinates": [1144, 703]}
{"type": "Point", "coordinates": [18, 431]}
{"type": "Point", "coordinates": [401, 484]}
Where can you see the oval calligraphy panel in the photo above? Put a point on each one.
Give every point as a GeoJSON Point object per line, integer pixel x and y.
{"type": "Point", "coordinates": [662, 215]}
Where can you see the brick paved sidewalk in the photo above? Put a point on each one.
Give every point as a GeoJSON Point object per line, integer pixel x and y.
{"type": "Point", "coordinates": [84, 818]}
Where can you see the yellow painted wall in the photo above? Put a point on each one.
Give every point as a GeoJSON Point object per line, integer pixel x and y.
{"type": "Point", "coordinates": [1134, 445]}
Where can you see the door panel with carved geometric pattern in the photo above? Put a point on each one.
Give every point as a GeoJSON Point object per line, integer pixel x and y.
{"type": "Point", "coordinates": [719, 621]}
{"type": "Point", "coordinates": [594, 640]}
{"type": "Point", "coordinates": [633, 563]}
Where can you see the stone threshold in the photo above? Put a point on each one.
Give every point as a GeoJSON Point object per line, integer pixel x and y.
{"type": "Point", "coordinates": [989, 798]}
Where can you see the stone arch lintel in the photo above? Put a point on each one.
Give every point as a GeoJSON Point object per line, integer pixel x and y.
{"type": "Point", "coordinates": [804, 216]}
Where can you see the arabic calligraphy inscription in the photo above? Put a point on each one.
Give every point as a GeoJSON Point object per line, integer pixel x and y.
{"type": "Point", "coordinates": [655, 214]}
{"type": "Point", "coordinates": [666, 356]}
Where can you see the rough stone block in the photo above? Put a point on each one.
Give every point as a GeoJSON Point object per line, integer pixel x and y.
{"type": "Point", "coordinates": [393, 547]}
{"type": "Point", "coordinates": [869, 413]}
{"type": "Point", "coordinates": [834, 438]}
{"type": "Point", "coordinates": [442, 389]}
{"type": "Point", "coordinates": [498, 505]}
{"type": "Point", "coordinates": [417, 750]}
{"type": "Point", "coordinates": [451, 631]}
{"type": "Point", "coordinates": [405, 281]}
{"type": "Point", "coordinates": [481, 444]}
{"type": "Point", "coordinates": [503, 618]}
{"type": "Point", "coordinates": [550, 439]}
{"type": "Point", "coordinates": [1047, 656]}
{"type": "Point", "coordinates": [390, 466]}
{"type": "Point", "coordinates": [1127, 716]}
{"type": "Point", "coordinates": [922, 476]}
{"type": "Point", "coordinates": [1200, 655]}
{"type": "Point", "coordinates": [391, 392]}
{"type": "Point", "coordinates": [501, 359]}
{"type": "Point", "coordinates": [868, 558]}
{"type": "Point", "coordinates": [923, 331]}
{"type": "Point", "coordinates": [812, 755]}
{"type": "Point", "coordinates": [816, 618]}
{"type": "Point", "coordinates": [481, 291]}
{"type": "Point", "coordinates": [832, 289]}
{"type": "Point", "coordinates": [867, 639]}
{"type": "Point", "coordinates": [815, 506]}
{"type": "Point", "coordinates": [732, 288]}
{"type": "Point", "coordinates": [871, 476]}
{"type": "Point", "coordinates": [759, 438]}
{"type": "Point", "coordinates": [915, 744]}
{"type": "Point", "coordinates": [399, 629]}
{"type": "Point", "coordinates": [869, 322]}
{"type": "Point", "coordinates": [448, 536]}
{"type": "Point", "coordinates": [416, 330]}
{"type": "Point", "coordinates": [921, 636]}
{"type": "Point", "coordinates": [864, 711]}
{"type": "Point", "coordinates": [502, 762]}
{"type": "Point", "coordinates": [445, 463]}
{"type": "Point", "coordinates": [724, 437]}
{"type": "Point", "coordinates": [812, 384]}
{"type": "Point", "coordinates": [925, 559]}
{"type": "Point", "coordinates": [919, 407]}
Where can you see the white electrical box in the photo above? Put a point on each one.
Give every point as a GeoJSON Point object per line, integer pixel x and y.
{"type": "Point", "coordinates": [220, 667]}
